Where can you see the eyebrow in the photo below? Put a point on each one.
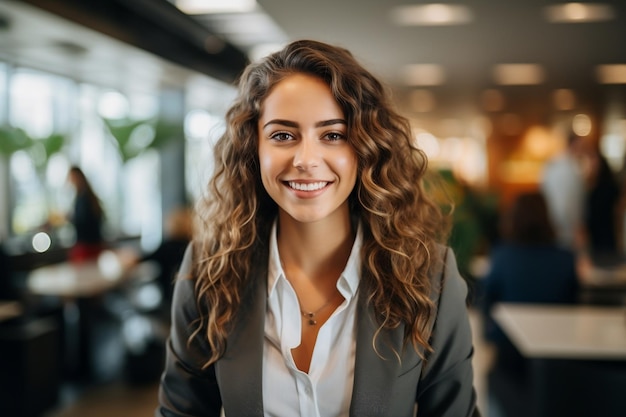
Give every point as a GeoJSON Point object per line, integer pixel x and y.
{"type": "Point", "coordinates": [289, 123]}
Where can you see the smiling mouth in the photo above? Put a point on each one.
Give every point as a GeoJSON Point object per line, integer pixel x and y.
{"type": "Point", "coordinates": [312, 186]}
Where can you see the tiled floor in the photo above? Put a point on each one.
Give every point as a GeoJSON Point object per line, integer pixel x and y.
{"type": "Point", "coordinates": [121, 399]}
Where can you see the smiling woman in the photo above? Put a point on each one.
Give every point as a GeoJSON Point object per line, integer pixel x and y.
{"type": "Point", "coordinates": [307, 165]}
{"type": "Point", "coordinates": [318, 284]}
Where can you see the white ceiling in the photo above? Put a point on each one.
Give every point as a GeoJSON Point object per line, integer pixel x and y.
{"type": "Point", "coordinates": [40, 40]}
{"type": "Point", "coordinates": [501, 32]}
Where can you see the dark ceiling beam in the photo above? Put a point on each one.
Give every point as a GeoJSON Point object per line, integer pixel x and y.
{"type": "Point", "coordinates": [158, 27]}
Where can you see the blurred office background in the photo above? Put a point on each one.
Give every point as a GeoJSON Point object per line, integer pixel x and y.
{"type": "Point", "coordinates": [134, 92]}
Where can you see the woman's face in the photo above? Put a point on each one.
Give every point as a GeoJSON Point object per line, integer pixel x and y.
{"type": "Point", "coordinates": [307, 165]}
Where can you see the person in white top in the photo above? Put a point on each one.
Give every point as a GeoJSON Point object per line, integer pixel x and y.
{"type": "Point", "coordinates": [563, 186]}
{"type": "Point", "coordinates": [317, 283]}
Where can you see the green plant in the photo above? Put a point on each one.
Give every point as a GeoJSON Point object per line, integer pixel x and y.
{"type": "Point", "coordinates": [13, 139]}
{"type": "Point", "coordinates": [135, 136]}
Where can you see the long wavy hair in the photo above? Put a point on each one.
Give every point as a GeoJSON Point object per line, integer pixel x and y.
{"type": "Point", "coordinates": [401, 223]}
{"type": "Point", "coordinates": [83, 186]}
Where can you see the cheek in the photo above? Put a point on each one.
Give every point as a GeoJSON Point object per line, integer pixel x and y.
{"type": "Point", "coordinates": [347, 165]}
{"type": "Point", "coordinates": [267, 165]}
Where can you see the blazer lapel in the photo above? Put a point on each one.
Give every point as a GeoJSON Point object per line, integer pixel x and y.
{"type": "Point", "coordinates": [239, 371]}
{"type": "Point", "coordinates": [374, 376]}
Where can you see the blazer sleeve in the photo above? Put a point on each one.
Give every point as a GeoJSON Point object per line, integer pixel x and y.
{"type": "Point", "coordinates": [446, 388]}
{"type": "Point", "coordinates": [186, 388]}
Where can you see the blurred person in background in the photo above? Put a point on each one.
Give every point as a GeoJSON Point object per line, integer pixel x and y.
{"type": "Point", "coordinates": [168, 255]}
{"type": "Point", "coordinates": [602, 223]}
{"type": "Point", "coordinates": [527, 267]}
{"type": "Point", "coordinates": [87, 217]}
{"type": "Point", "coordinates": [563, 186]}
{"type": "Point", "coordinates": [317, 283]}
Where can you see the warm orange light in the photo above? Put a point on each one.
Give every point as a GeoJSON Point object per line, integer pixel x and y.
{"type": "Point", "coordinates": [611, 74]}
{"type": "Point", "coordinates": [423, 74]}
{"type": "Point", "coordinates": [433, 14]}
{"type": "Point", "coordinates": [579, 12]}
{"type": "Point", "coordinates": [518, 74]}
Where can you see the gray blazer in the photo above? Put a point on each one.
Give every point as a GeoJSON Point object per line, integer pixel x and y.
{"type": "Point", "coordinates": [443, 387]}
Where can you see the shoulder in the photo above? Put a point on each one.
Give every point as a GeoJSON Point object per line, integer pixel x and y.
{"type": "Point", "coordinates": [184, 299]}
{"type": "Point", "coordinates": [447, 282]}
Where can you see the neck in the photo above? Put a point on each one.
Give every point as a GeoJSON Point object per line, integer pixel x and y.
{"type": "Point", "coordinates": [317, 250]}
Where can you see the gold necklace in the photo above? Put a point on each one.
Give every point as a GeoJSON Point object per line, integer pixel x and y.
{"type": "Point", "coordinates": [310, 315]}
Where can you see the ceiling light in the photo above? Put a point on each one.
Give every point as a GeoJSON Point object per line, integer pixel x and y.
{"type": "Point", "coordinates": [433, 14]}
{"type": "Point", "coordinates": [215, 6]}
{"type": "Point", "coordinates": [518, 74]}
{"type": "Point", "coordinates": [423, 75]}
{"type": "Point", "coordinates": [579, 12]}
{"type": "Point", "coordinates": [564, 99]}
{"type": "Point", "coordinates": [611, 74]}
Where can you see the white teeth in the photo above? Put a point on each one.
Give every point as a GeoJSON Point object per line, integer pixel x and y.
{"type": "Point", "coordinates": [307, 187]}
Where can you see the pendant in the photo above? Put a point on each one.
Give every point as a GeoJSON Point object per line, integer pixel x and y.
{"type": "Point", "coordinates": [309, 318]}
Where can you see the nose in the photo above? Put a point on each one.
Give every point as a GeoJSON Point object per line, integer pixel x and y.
{"type": "Point", "coordinates": [306, 154]}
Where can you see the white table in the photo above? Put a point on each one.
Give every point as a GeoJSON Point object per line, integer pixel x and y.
{"type": "Point", "coordinates": [74, 280]}
{"type": "Point", "coordinates": [79, 285]}
{"type": "Point", "coordinates": [576, 356]}
{"type": "Point", "coordinates": [564, 332]}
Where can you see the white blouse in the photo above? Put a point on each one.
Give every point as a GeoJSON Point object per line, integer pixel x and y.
{"type": "Point", "coordinates": [327, 389]}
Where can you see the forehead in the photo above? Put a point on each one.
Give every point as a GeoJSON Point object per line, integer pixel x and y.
{"type": "Point", "coordinates": [299, 94]}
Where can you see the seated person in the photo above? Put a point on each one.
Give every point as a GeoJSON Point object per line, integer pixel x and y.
{"type": "Point", "coordinates": [528, 267]}
{"type": "Point", "coordinates": [168, 255]}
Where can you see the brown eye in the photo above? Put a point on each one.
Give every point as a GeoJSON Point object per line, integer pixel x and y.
{"type": "Point", "coordinates": [281, 136]}
{"type": "Point", "coordinates": [334, 136]}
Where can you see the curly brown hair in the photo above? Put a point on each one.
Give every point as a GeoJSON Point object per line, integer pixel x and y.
{"type": "Point", "coordinates": [401, 223]}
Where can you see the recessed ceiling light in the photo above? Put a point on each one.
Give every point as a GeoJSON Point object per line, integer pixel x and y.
{"type": "Point", "coordinates": [564, 99]}
{"type": "Point", "coordinates": [611, 74]}
{"type": "Point", "coordinates": [518, 74]}
{"type": "Point", "coordinates": [423, 75]}
{"type": "Point", "coordinates": [579, 12]}
{"type": "Point", "coordinates": [433, 14]}
{"type": "Point", "coordinates": [215, 6]}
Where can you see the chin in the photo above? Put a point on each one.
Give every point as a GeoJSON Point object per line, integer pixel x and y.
{"type": "Point", "coordinates": [306, 218]}
{"type": "Point", "coordinates": [307, 215]}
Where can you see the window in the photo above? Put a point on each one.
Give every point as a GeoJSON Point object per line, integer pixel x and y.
{"type": "Point", "coordinates": [32, 98]}
{"type": "Point", "coordinates": [40, 198]}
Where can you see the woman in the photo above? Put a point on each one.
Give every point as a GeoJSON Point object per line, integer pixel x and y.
{"type": "Point", "coordinates": [316, 286]}
{"type": "Point", "coordinates": [528, 267]}
{"type": "Point", "coordinates": [87, 218]}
